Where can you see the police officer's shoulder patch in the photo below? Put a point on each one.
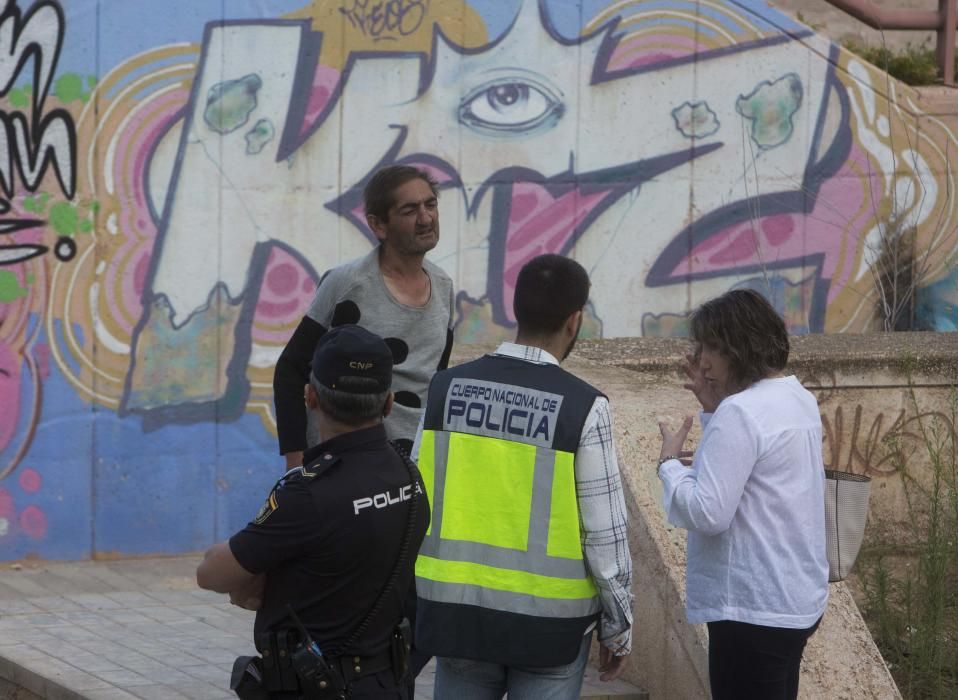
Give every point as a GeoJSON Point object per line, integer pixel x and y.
{"type": "Point", "coordinates": [269, 507]}
{"type": "Point", "coordinates": [318, 466]}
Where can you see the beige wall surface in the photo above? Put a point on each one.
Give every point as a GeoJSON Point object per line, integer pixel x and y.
{"type": "Point", "coordinates": [840, 26]}
{"type": "Point", "coordinates": [875, 424]}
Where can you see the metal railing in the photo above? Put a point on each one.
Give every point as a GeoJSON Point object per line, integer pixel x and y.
{"type": "Point", "coordinates": [942, 22]}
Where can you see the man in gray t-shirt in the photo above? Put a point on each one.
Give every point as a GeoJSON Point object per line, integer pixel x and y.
{"type": "Point", "coordinates": [393, 292]}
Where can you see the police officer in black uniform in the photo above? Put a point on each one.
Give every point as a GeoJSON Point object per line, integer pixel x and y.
{"type": "Point", "coordinates": [328, 560]}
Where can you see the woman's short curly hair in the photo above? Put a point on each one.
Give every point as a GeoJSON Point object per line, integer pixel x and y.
{"type": "Point", "coordinates": [744, 328]}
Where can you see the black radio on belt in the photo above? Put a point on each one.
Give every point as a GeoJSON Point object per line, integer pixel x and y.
{"type": "Point", "coordinates": [317, 677]}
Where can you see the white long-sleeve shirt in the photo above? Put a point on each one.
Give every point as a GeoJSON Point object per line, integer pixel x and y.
{"type": "Point", "coordinates": [753, 503]}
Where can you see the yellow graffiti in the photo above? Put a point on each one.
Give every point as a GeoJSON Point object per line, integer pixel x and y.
{"type": "Point", "coordinates": [375, 25]}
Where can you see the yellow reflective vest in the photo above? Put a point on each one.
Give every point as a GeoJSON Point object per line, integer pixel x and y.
{"type": "Point", "coordinates": [500, 575]}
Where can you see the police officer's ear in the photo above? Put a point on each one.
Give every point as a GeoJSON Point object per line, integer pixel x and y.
{"type": "Point", "coordinates": [573, 324]}
{"type": "Point", "coordinates": [312, 400]}
{"type": "Point", "coordinates": [388, 405]}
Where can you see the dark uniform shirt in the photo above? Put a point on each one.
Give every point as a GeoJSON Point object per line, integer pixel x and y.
{"type": "Point", "coordinates": [328, 538]}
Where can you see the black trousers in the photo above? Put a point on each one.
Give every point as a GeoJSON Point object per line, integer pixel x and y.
{"type": "Point", "coordinates": [754, 662]}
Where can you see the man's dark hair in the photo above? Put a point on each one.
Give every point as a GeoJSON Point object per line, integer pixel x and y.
{"type": "Point", "coordinates": [345, 406]}
{"type": "Point", "coordinates": [378, 193]}
{"type": "Point", "coordinates": [550, 288]}
{"type": "Point", "coordinates": [743, 327]}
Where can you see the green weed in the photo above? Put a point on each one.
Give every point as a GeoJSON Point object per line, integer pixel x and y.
{"type": "Point", "coordinates": [913, 64]}
{"type": "Point", "coordinates": [911, 596]}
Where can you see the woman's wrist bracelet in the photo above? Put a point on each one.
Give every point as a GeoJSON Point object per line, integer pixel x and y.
{"type": "Point", "coordinates": [665, 459]}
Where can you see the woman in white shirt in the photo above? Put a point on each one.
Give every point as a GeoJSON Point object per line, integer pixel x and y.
{"type": "Point", "coordinates": [753, 501]}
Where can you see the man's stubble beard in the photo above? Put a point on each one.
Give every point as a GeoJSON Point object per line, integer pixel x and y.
{"type": "Point", "coordinates": [568, 350]}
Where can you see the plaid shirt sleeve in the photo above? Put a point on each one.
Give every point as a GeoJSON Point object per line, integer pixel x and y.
{"type": "Point", "coordinates": [604, 538]}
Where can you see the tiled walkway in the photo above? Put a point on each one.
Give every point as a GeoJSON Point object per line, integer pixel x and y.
{"type": "Point", "coordinates": [132, 629]}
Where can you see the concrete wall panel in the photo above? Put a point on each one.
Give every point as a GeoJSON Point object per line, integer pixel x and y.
{"type": "Point", "coordinates": [176, 176]}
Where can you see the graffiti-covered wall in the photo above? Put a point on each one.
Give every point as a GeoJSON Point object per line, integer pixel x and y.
{"type": "Point", "coordinates": [174, 180]}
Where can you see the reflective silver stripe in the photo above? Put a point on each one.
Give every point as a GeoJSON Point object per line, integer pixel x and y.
{"type": "Point", "coordinates": [504, 558]}
{"type": "Point", "coordinates": [441, 451]}
{"type": "Point", "coordinates": [543, 475]}
{"type": "Point", "coordinates": [501, 411]}
{"type": "Point", "coordinates": [462, 594]}
{"type": "Point", "coordinates": [535, 560]}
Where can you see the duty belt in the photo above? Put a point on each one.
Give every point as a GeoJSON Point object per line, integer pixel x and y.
{"type": "Point", "coordinates": [354, 667]}
{"type": "Point", "coordinates": [278, 673]}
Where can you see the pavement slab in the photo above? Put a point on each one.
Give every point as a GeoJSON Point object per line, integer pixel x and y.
{"type": "Point", "coordinates": [138, 629]}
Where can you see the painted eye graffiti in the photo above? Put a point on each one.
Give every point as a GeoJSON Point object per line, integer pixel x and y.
{"type": "Point", "coordinates": [510, 105]}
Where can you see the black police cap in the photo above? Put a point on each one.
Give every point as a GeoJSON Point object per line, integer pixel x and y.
{"type": "Point", "coordinates": [351, 351]}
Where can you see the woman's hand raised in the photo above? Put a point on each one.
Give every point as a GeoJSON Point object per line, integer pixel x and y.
{"type": "Point", "coordinates": [672, 442]}
{"type": "Point", "coordinates": [704, 390]}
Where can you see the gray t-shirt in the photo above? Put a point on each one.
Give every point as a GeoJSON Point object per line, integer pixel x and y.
{"type": "Point", "coordinates": [419, 337]}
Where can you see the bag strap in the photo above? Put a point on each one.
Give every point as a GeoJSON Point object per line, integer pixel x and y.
{"type": "Point", "coordinates": [400, 558]}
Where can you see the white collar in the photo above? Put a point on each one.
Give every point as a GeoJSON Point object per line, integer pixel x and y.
{"type": "Point", "coordinates": [529, 353]}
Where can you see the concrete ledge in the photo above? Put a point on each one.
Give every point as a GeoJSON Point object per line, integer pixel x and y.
{"type": "Point", "coordinates": [932, 353]}
{"type": "Point", "coordinates": [871, 390]}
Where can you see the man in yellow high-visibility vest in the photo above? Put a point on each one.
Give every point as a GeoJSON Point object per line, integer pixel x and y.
{"type": "Point", "coordinates": [527, 551]}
